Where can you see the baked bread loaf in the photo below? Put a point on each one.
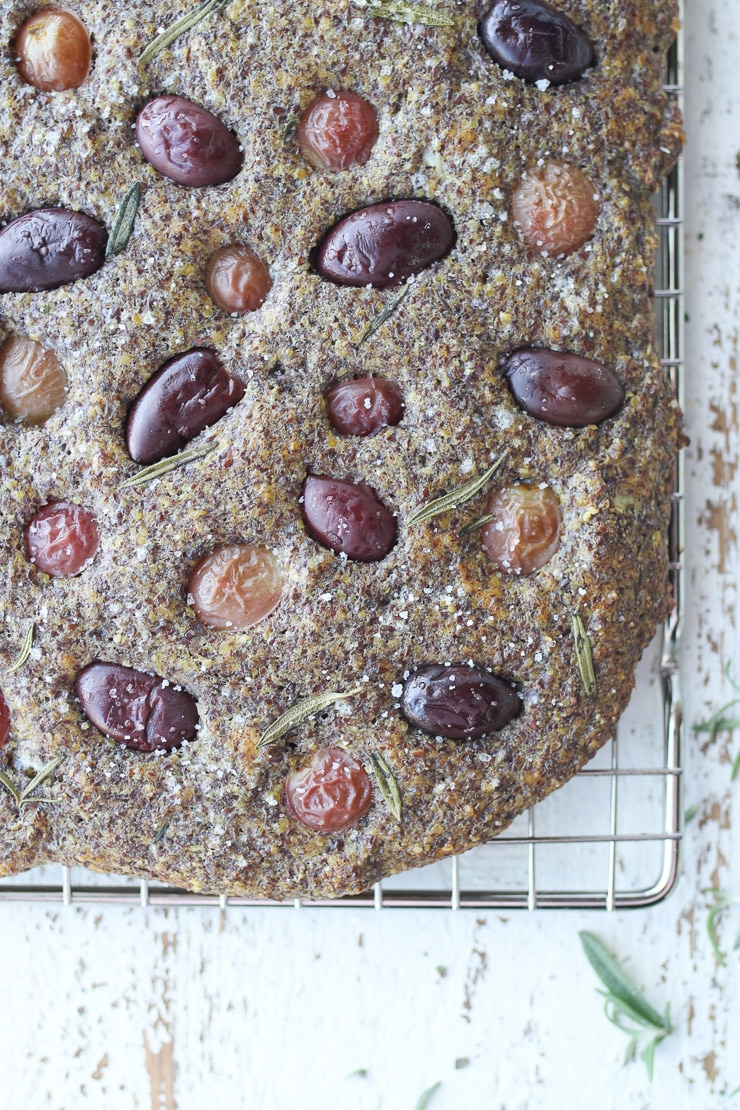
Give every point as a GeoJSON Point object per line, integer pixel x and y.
{"type": "Point", "coordinates": [366, 256]}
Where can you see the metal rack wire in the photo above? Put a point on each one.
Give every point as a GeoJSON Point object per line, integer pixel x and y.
{"type": "Point", "coordinates": [610, 838]}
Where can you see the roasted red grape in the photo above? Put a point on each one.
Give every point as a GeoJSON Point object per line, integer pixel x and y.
{"type": "Point", "coordinates": [338, 130]}
{"type": "Point", "coordinates": [525, 531]}
{"type": "Point", "coordinates": [554, 209]}
{"type": "Point", "coordinates": [330, 793]}
{"type": "Point", "coordinates": [363, 405]}
{"type": "Point", "coordinates": [52, 50]}
{"type": "Point", "coordinates": [235, 587]}
{"type": "Point", "coordinates": [61, 539]}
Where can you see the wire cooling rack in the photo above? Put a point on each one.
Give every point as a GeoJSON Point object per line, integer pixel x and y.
{"type": "Point", "coordinates": [610, 838]}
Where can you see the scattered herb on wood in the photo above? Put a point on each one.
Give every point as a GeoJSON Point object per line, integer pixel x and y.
{"type": "Point", "coordinates": [385, 314]}
{"type": "Point", "coordinates": [625, 1007]}
{"type": "Point", "coordinates": [690, 814]}
{"type": "Point", "coordinates": [584, 655]}
{"type": "Point", "coordinates": [426, 1096]}
{"type": "Point", "coordinates": [300, 711]}
{"type": "Point", "coordinates": [401, 12]}
{"type": "Point", "coordinates": [25, 650]}
{"type": "Point", "coordinates": [123, 224]}
{"type": "Point", "coordinates": [181, 26]}
{"type": "Point", "coordinates": [456, 497]}
{"type": "Point", "coordinates": [722, 901]}
{"type": "Point", "coordinates": [165, 466]}
{"type": "Point", "coordinates": [23, 797]}
{"type": "Point", "coordinates": [387, 784]}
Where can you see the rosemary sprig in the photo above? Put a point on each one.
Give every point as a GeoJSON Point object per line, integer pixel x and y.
{"type": "Point", "coordinates": [383, 315]}
{"type": "Point", "coordinates": [457, 497]}
{"type": "Point", "coordinates": [426, 1096]}
{"type": "Point", "coordinates": [180, 26]}
{"type": "Point", "coordinates": [300, 711]}
{"type": "Point", "coordinates": [288, 130]}
{"type": "Point", "coordinates": [625, 1007]}
{"type": "Point", "coordinates": [387, 784]}
{"type": "Point", "coordinates": [476, 524]}
{"type": "Point", "coordinates": [123, 224]}
{"type": "Point", "coordinates": [721, 902]}
{"type": "Point", "coordinates": [584, 655]}
{"type": "Point", "coordinates": [401, 12]}
{"type": "Point", "coordinates": [25, 651]}
{"type": "Point", "coordinates": [164, 466]}
{"type": "Point", "coordinates": [23, 797]}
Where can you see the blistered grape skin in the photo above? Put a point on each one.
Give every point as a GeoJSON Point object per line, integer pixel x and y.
{"type": "Point", "coordinates": [33, 383]}
{"type": "Point", "coordinates": [458, 702]}
{"type": "Point", "coordinates": [52, 50]}
{"type": "Point", "coordinates": [62, 539]}
{"type": "Point", "coordinates": [4, 721]}
{"type": "Point", "coordinates": [49, 247]}
{"type": "Point", "coordinates": [190, 392]}
{"type": "Point", "coordinates": [236, 280]}
{"type": "Point", "coordinates": [554, 209]}
{"type": "Point", "coordinates": [562, 388]}
{"type": "Point", "coordinates": [143, 711]}
{"type": "Point", "coordinates": [348, 518]}
{"type": "Point", "coordinates": [338, 131]}
{"type": "Point", "coordinates": [536, 42]}
{"type": "Point", "coordinates": [330, 793]}
{"type": "Point", "coordinates": [364, 405]}
{"type": "Point", "coordinates": [187, 143]}
{"type": "Point", "coordinates": [525, 531]}
{"type": "Point", "coordinates": [384, 244]}
{"type": "Point", "coordinates": [235, 587]}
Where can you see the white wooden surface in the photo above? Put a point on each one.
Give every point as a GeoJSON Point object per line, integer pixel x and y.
{"type": "Point", "coordinates": [121, 1008]}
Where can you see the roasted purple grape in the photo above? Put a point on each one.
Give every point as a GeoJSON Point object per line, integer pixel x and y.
{"type": "Point", "coordinates": [141, 710]}
{"type": "Point", "coordinates": [348, 518]}
{"type": "Point", "coordinates": [458, 702]}
{"type": "Point", "coordinates": [385, 243]}
{"type": "Point", "coordinates": [49, 247]}
{"type": "Point", "coordinates": [187, 143]}
{"type": "Point", "coordinates": [562, 388]}
{"type": "Point", "coordinates": [536, 42]}
{"type": "Point", "coordinates": [62, 539]}
{"type": "Point", "coordinates": [188, 393]}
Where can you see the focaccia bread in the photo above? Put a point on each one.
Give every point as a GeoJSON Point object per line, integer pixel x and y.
{"type": "Point", "coordinates": [500, 336]}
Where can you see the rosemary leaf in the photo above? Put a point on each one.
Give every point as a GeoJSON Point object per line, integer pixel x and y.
{"type": "Point", "coordinates": [426, 1096]}
{"type": "Point", "coordinates": [123, 224]}
{"type": "Point", "coordinates": [185, 23]}
{"type": "Point", "coordinates": [584, 655]}
{"type": "Point", "coordinates": [722, 902]}
{"type": "Point", "coordinates": [164, 466]}
{"type": "Point", "coordinates": [41, 777]}
{"type": "Point", "coordinates": [25, 651]}
{"type": "Point", "coordinates": [401, 12]}
{"type": "Point", "coordinates": [718, 722]}
{"type": "Point", "coordinates": [690, 814]}
{"type": "Point", "coordinates": [457, 497]}
{"type": "Point", "coordinates": [159, 834]}
{"type": "Point", "coordinates": [383, 315]}
{"type": "Point", "coordinates": [621, 991]}
{"type": "Point", "coordinates": [288, 130]}
{"type": "Point", "coordinates": [475, 524]}
{"type": "Point", "coordinates": [10, 788]}
{"type": "Point", "coordinates": [298, 712]}
{"type": "Point", "coordinates": [387, 784]}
